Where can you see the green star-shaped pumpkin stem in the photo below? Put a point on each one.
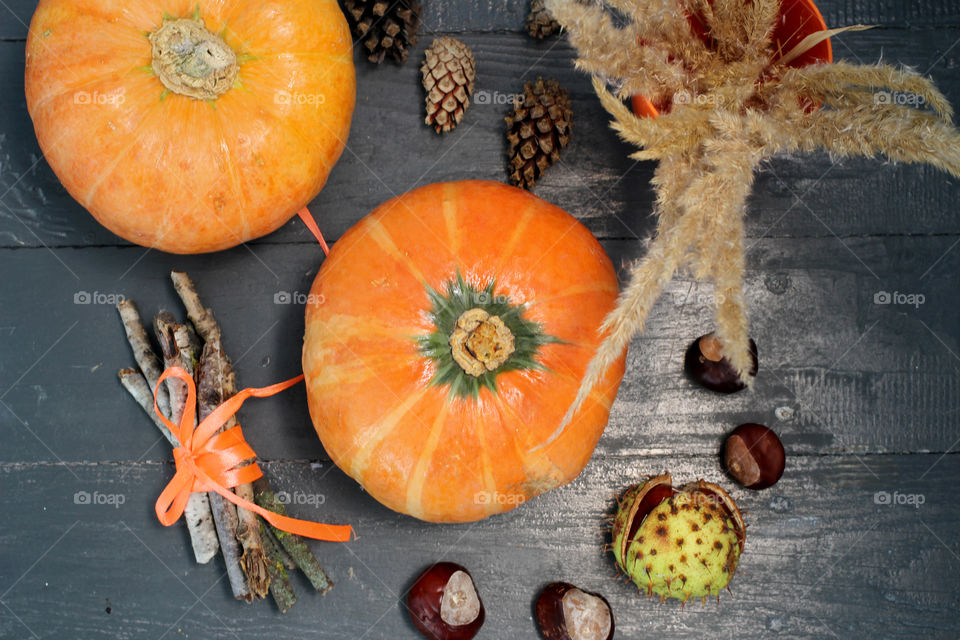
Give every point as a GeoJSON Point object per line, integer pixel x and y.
{"type": "Point", "coordinates": [478, 334]}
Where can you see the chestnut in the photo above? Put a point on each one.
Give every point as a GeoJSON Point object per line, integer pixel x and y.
{"type": "Point", "coordinates": [565, 612]}
{"type": "Point", "coordinates": [753, 455]}
{"type": "Point", "coordinates": [704, 362]}
{"type": "Point", "coordinates": [444, 604]}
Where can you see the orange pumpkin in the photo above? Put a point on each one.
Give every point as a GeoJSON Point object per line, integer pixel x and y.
{"type": "Point", "coordinates": [190, 127]}
{"type": "Point", "coordinates": [446, 335]}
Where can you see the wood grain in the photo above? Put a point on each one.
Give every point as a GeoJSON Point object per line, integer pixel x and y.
{"type": "Point", "coordinates": [823, 559]}
{"type": "Point", "coordinates": [865, 395]}
{"type": "Point", "coordinates": [846, 368]}
{"type": "Point", "coordinates": [458, 16]}
{"type": "Point", "coordinates": [391, 151]}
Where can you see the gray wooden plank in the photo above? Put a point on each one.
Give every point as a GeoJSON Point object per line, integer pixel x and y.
{"type": "Point", "coordinates": [262, 337]}
{"type": "Point", "coordinates": [595, 180]}
{"type": "Point", "coordinates": [863, 394]}
{"type": "Point", "coordinates": [857, 376]}
{"type": "Point", "coordinates": [486, 16]}
{"type": "Point", "coordinates": [822, 559]}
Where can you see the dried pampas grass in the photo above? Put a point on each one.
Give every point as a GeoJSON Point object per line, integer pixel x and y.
{"type": "Point", "coordinates": [728, 107]}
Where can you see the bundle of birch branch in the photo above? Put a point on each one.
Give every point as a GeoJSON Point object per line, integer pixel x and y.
{"type": "Point", "coordinates": [257, 556]}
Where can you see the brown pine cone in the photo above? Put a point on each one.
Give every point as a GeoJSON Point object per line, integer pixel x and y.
{"type": "Point", "coordinates": [448, 74]}
{"type": "Point", "coordinates": [385, 28]}
{"type": "Point", "coordinates": [540, 23]}
{"type": "Point", "coordinates": [537, 129]}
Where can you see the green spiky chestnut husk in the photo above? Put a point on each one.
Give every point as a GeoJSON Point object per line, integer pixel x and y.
{"type": "Point", "coordinates": [679, 544]}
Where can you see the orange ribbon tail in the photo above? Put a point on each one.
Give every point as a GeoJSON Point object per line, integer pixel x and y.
{"type": "Point", "coordinates": [308, 220]}
{"type": "Point", "coordinates": [210, 461]}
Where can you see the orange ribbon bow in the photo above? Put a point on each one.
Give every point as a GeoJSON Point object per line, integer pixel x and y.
{"type": "Point", "coordinates": [208, 461]}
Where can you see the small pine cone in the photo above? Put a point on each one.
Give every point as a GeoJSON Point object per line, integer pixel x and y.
{"type": "Point", "coordinates": [385, 28]}
{"type": "Point", "coordinates": [540, 23]}
{"type": "Point", "coordinates": [448, 74]}
{"type": "Point", "coordinates": [537, 129]}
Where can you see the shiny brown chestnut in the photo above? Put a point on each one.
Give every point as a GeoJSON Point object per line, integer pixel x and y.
{"type": "Point", "coordinates": [753, 455]}
{"type": "Point", "coordinates": [444, 603]}
{"type": "Point", "coordinates": [705, 364]}
{"type": "Point", "coordinates": [565, 612]}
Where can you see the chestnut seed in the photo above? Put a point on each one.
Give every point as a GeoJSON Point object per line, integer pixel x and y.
{"type": "Point", "coordinates": [444, 603]}
{"type": "Point", "coordinates": [753, 455]}
{"type": "Point", "coordinates": [565, 612]}
{"type": "Point", "coordinates": [705, 364]}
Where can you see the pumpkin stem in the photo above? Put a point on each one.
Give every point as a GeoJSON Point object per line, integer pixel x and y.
{"type": "Point", "coordinates": [480, 342]}
{"type": "Point", "coordinates": [191, 60]}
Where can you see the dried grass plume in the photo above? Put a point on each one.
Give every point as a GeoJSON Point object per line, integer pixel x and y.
{"type": "Point", "coordinates": [726, 108]}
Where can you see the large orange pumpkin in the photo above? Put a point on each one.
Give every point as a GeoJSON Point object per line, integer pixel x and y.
{"type": "Point", "coordinates": [446, 335]}
{"type": "Point", "coordinates": [186, 126]}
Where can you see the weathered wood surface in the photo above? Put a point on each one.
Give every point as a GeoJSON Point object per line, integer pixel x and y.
{"type": "Point", "coordinates": [874, 365]}
{"type": "Point", "coordinates": [390, 151]}
{"type": "Point", "coordinates": [865, 395]}
{"type": "Point", "coordinates": [459, 16]}
{"type": "Point", "coordinates": [823, 558]}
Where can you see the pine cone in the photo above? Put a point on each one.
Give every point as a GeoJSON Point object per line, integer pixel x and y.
{"type": "Point", "coordinates": [540, 23]}
{"type": "Point", "coordinates": [537, 129]}
{"type": "Point", "coordinates": [448, 74]}
{"type": "Point", "coordinates": [386, 28]}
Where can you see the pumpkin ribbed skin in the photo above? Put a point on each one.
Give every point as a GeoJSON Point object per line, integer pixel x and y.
{"type": "Point", "coordinates": [176, 173]}
{"type": "Point", "coordinates": [412, 444]}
